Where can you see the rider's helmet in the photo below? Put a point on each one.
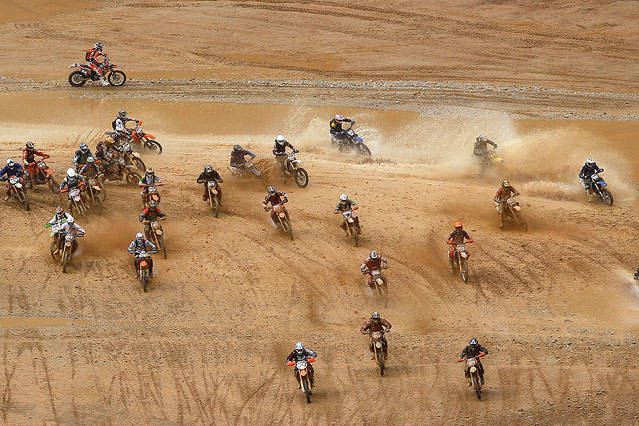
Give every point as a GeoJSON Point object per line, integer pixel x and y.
{"type": "Point", "coordinates": [299, 348]}
{"type": "Point", "coordinates": [374, 255]}
{"type": "Point", "coordinates": [90, 159]}
{"type": "Point", "coordinates": [237, 148]}
{"type": "Point", "coordinates": [343, 198]}
{"type": "Point", "coordinates": [208, 169]}
{"type": "Point", "coordinates": [482, 138]}
{"type": "Point", "coordinates": [375, 316]}
{"type": "Point", "coordinates": [30, 146]}
{"type": "Point", "coordinates": [99, 46]}
{"type": "Point", "coordinates": [84, 147]}
{"type": "Point", "coordinates": [459, 226]}
{"type": "Point", "coordinates": [473, 342]}
{"type": "Point", "coordinates": [505, 183]}
{"type": "Point", "coordinates": [149, 170]}
{"type": "Point", "coordinates": [152, 205]}
{"type": "Point", "coordinates": [338, 117]}
{"type": "Point", "coordinates": [122, 113]}
{"type": "Point", "coordinates": [139, 236]}
{"type": "Point", "coordinates": [71, 220]}
{"type": "Point", "coordinates": [59, 211]}
{"type": "Point", "coordinates": [10, 162]}
{"type": "Point", "coordinates": [70, 173]}
{"type": "Point", "coordinates": [590, 161]}
{"type": "Point", "coordinates": [271, 189]}
{"type": "Point", "coordinates": [280, 140]}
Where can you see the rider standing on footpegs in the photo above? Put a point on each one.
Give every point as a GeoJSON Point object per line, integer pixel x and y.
{"type": "Point", "coordinates": [347, 205]}
{"type": "Point", "coordinates": [279, 151]}
{"type": "Point", "coordinates": [210, 175]}
{"type": "Point", "coordinates": [119, 125]}
{"type": "Point", "coordinates": [474, 350]}
{"type": "Point", "coordinates": [376, 323]}
{"type": "Point", "coordinates": [503, 194]}
{"type": "Point", "coordinates": [237, 157]}
{"type": "Point", "coordinates": [458, 236]}
{"type": "Point", "coordinates": [137, 246]}
{"type": "Point", "coordinates": [93, 61]}
{"type": "Point", "coordinates": [337, 130]}
{"type": "Point", "coordinates": [372, 263]}
{"type": "Point", "coordinates": [80, 157]}
{"type": "Point", "coordinates": [150, 214]}
{"type": "Point", "coordinates": [481, 145]}
{"type": "Point", "coordinates": [149, 179]}
{"type": "Point", "coordinates": [274, 197]}
{"type": "Point", "coordinates": [302, 354]}
{"type": "Point", "coordinates": [588, 169]}
{"type": "Point", "coordinates": [28, 158]}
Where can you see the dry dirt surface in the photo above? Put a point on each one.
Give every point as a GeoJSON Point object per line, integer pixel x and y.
{"type": "Point", "coordinates": [556, 306]}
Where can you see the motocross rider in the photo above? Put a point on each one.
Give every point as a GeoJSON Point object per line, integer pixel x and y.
{"type": "Point", "coordinates": [209, 175]}
{"type": "Point", "coordinates": [108, 154]}
{"type": "Point", "coordinates": [150, 214]}
{"type": "Point", "coordinates": [302, 354]}
{"type": "Point", "coordinates": [149, 179]}
{"type": "Point", "coordinates": [474, 350]}
{"type": "Point", "coordinates": [345, 204]}
{"type": "Point", "coordinates": [90, 169]}
{"type": "Point", "coordinates": [139, 245]}
{"type": "Point", "coordinates": [59, 218]}
{"type": "Point", "coordinates": [372, 263]}
{"type": "Point", "coordinates": [458, 236]}
{"type": "Point", "coordinates": [376, 323]}
{"type": "Point", "coordinates": [589, 168]}
{"type": "Point", "coordinates": [237, 157]}
{"type": "Point", "coordinates": [279, 151]}
{"type": "Point", "coordinates": [505, 192]}
{"type": "Point", "coordinates": [81, 155]}
{"type": "Point", "coordinates": [28, 158]}
{"type": "Point", "coordinates": [481, 145]}
{"type": "Point", "coordinates": [336, 127]}
{"type": "Point", "coordinates": [70, 181]}
{"type": "Point", "coordinates": [11, 169]}
{"type": "Point", "coordinates": [72, 228]}
{"type": "Point", "coordinates": [94, 62]}
{"type": "Point", "coordinates": [274, 197]}
{"type": "Point", "coordinates": [119, 125]}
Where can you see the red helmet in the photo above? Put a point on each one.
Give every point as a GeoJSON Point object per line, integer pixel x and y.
{"type": "Point", "coordinates": [338, 117]}
{"type": "Point", "coordinates": [459, 225]}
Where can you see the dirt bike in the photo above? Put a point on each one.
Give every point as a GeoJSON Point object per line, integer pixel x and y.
{"type": "Point", "coordinates": [147, 140]}
{"type": "Point", "coordinates": [68, 249]}
{"type": "Point", "coordinates": [241, 170]}
{"type": "Point", "coordinates": [16, 189]}
{"type": "Point", "coordinates": [44, 175]}
{"type": "Point", "coordinates": [214, 197]}
{"type": "Point", "coordinates": [119, 170]}
{"type": "Point", "coordinates": [351, 141]}
{"type": "Point", "coordinates": [127, 154]}
{"type": "Point", "coordinates": [144, 263]}
{"type": "Point", "coordinates": [157, 235]}
{"type": "Point", "coordinates": [512, 213]}
{"type": "Point", "coordinates": [78, 206]}
{"type": "Point", "coordinates": [351, 227]}
{"type": "Point", "coordinates": [380, 283]}
{"type": "Point", "coordinates": [282, 216]}
{"type": "Point", "coordinates": [460, 260]}
{"type": "Point", "coordinates": [84, 73]}
{"type": "Point", "coordinates": [598, 186]}
{"type": "Point", "coordinates": [292, 168]}
{"type": "Point", "coordinates": [377, 341]}
{"type": "Point", "coordinates": [95, 194]}
{"type": "Point", "coordinates": [57, 238]}
{"type": "Point", "coordinates": [305, 382]}
{"type": "Point", "coordinates": [152, 193]}
{"type": "Point", "coordinates": [490, 158]}
{"type": "Point", "coordinates": [472, 365]}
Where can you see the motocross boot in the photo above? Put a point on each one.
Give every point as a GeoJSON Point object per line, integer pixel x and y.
{"type": "Point", "coordinates": [372, 355]}
{"type": "Point", "coordinates": [385, 356]}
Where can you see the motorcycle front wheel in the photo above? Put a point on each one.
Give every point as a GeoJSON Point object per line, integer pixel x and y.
{"type": "Point", "coordinates": [363, 149]}
{"type": "Point", "coordinates": [301, 178]}
{"type": "Point", "coordinates": [77, 79]}
{"type": "Point", "coordinates": [117, 78]}
{"type": "Point", "coordinates": [606, 197]}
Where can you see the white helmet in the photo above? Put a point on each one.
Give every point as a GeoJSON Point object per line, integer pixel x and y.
{"type": "Point", "coordinates": [343, 197]}
{"type": "Point", "coordinates": [71, 173]}
{"type": "Point", "coordinates": [299, 347]}
{"type": "Point", "coordinates": [483, 138]}
{"type": "Point", "coordinates": [280, 139]}
{"type": "Point", "coordinates": [70, 220]}
{"type": "Point", "coordinates": [374, 255]}
{"type": "Point", "coordinates": [10, 162]}
{"type": "Point", "coordinates": [338, 117]}
{"type": "Point", "coordinates": [139, 236]}
{"type": "Point", "coordinates": [590, 160]}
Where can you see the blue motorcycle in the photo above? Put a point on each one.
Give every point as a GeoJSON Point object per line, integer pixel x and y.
{"type": "Point", "coordinates": [599, 187]}
{"type": "Point", "coordinates": [350, 141]}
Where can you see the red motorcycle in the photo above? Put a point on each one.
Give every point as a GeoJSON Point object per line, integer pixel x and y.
{"type": "Point", "coordinates": [145, 139]}
{"type": "Point", "coordinates": [84, 73]}
{"type": "Point", "coordinates": [44, 175]}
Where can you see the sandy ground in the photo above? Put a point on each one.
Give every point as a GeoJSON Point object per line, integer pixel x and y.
{"type": "Point", "coordinates": [556, 306]}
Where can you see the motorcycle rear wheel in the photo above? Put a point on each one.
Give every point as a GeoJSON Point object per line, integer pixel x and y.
{"type": "Point", "coordinates": [76, 79]}
{"type": "Point", "coordinates": [53, 185]}
{"type": "Point", "coordinates": [117, 78]}
{"type": "Point", "coordinates": [153, 145]}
